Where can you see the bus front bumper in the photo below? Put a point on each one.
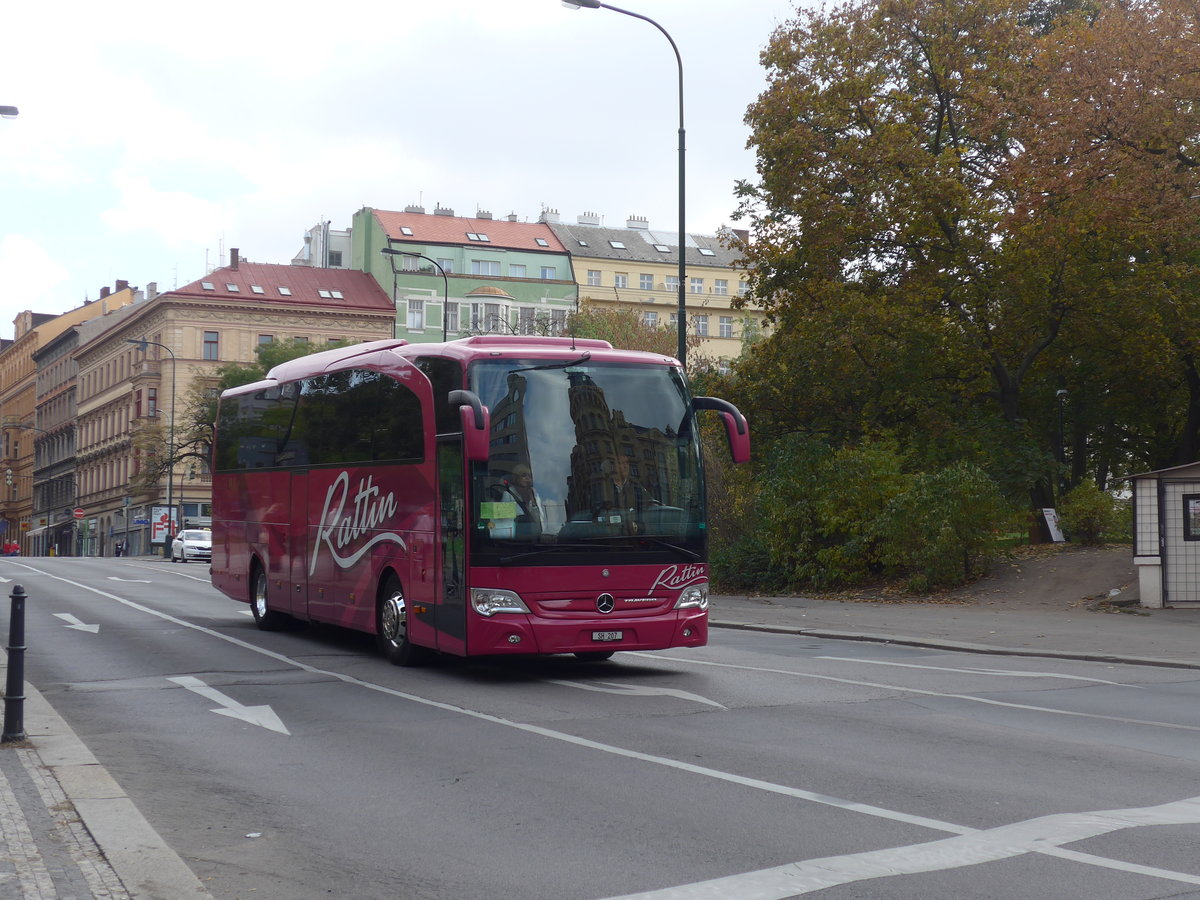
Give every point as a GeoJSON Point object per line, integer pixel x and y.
{"type": "Point", "coordinates": [517, 633]}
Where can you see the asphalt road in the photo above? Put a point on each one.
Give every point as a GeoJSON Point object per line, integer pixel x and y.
{"type": "Point", "coordinates": [300, 765]}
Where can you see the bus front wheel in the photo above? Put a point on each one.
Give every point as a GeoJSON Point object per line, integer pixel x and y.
{"type": "Point", "coordinates": [391, 627]}
{"type": "Point", "coordinates": [265, 618]}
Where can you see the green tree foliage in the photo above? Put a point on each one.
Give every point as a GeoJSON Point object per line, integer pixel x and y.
{"type": "Point", "coordinates": [1090, 515]}
{"type": "Point", "coordinates": [961, 208]}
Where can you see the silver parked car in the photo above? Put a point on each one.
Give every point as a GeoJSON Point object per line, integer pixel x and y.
{"type": "Point", "coordinates": [191, 544]}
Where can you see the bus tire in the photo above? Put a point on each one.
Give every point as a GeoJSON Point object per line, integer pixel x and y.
{"type": "Point", "coordinates": [594, 655]}
{"type": "Point", "coordinates": [265, 618]}
{"type": "Point", "coordinates": [391, 627]}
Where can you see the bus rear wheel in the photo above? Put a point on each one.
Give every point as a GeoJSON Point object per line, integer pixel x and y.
{"type": "Point", "coordinates": [391, 627]}
{"type": "Point", "coordinates": [265, 618]}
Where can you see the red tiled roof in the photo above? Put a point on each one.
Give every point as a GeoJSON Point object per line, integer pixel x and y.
{"type": "Point", "coordinates": [435, 229]}
{"type": "Point", "coordinates": [308, 286]}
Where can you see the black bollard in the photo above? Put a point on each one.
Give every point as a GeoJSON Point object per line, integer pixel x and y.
{"type": "Point", "coordinates": [14, 691]}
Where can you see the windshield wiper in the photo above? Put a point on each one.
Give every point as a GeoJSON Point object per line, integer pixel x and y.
{"type": "Point", "coordinates": [555, 365]}
{"type": "Point", "coordinates": [549, 548]}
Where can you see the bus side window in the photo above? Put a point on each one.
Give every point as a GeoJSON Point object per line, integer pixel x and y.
{"type": "Point", "coordinates": [359, 416]}
{"type": "Point", "coordinates": [445, 375]}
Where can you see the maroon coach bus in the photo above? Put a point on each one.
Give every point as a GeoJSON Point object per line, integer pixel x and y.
{"type": "Point", "coordinates": [489, 495]}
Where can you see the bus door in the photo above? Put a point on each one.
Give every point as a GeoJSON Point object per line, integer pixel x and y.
{"type": "Point", "coordinates": [452, 610]}
{"type": "Point", "coordinates": [297, 544]}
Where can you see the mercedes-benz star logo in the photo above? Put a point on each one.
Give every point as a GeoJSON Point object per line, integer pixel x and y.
{"type": "Point", "coordinates": [605, 603]}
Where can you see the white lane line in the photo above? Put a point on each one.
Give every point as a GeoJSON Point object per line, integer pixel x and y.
{"type": "Point", "coordinates": [637, 691]}
{"type": "Point", "coordinates": [924, 693]}
{"type": "Point", "coordinates": [666, 762]}
{"type": "Point", "coordinates": [1003, 673]}
{"type": "Point", "coordinates": [1040, 835]}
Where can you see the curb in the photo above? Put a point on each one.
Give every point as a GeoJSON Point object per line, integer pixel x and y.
{"type": "Point", "coordinates": [148, 868]}
{"type": "Point", "coordinates": [959, 646]}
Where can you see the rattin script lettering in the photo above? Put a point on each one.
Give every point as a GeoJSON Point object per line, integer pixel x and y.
{"type": "Point", "coordinates": [340, 529]}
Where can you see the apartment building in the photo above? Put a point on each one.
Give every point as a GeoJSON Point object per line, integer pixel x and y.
{"type": "Point", "coordinates": [137, 369]}
{"type": "Point", "coordinates": [450, 275]}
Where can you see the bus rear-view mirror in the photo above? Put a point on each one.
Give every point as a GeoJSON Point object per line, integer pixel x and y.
{"type": "Point", "coordinates": [476, 424]}
{"type": "Point", "coordinates": [737, 429]}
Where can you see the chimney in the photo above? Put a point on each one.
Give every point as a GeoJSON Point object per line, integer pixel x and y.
{"type": "Point", "coordinates": [104, 292]}
{"type": "Point", "coordinates": [588, 218]}
{"type": "Point", "coordinates": [151, 290]}
{"type": "Point", "coordinates": [512, 217]}
{"type": "Point", "coordinates": [483, 214]}
{"type": "Point", "coordinates": [440, 210]}
{"type": "Point", "coordinates": [416, 209]}
{"type": "Point", "coordinates": [233, 258]}
{"type": "Point", "coordinates": [638, 222]}
{"type": "Point", "coordinates": [122, 285]}
{"type": "Point", "coordinates": [549, 217]}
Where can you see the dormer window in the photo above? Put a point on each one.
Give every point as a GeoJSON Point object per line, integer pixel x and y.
{"type": "Point", "coordinates": [231, 287]}
{"type": "Point", "coordinates": [207, 285]}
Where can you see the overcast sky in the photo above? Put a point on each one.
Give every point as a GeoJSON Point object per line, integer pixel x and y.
{"type": "Point", "coordinates": [153, 137]}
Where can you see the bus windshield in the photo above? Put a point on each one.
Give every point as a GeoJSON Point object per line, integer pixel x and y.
{"type": "Point", "coordinates": [586, 458]}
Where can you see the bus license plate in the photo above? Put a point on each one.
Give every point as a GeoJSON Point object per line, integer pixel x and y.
{"type": "Point", "coordinates": [608, 635]}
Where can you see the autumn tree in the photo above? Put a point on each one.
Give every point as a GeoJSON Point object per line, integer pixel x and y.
{"type": "Point", "coordinates": [961, 209]}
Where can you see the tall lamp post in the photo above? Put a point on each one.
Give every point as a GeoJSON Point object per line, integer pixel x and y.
{"type": "Point", "coordinates": [682, 315]}
{"type": "Point", "coordinates": [142, 344]}
{"type": "Point", "coordinates": [392, 251]}
{"type": "Point", "coordinates": [1061, 396]}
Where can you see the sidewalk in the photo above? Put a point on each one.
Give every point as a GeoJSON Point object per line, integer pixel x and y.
{"type": "Point", "coordinates": [69, 831]}
{"type": "Point", "coordinates": [1159, 637]}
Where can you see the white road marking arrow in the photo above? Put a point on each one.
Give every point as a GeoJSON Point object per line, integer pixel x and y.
{"type": "Point", "coordinates": [263, 716]}
{"type": "Point", "coordinates": [74, 623]}
{"type": "Point", "coordinates": [638, 691]}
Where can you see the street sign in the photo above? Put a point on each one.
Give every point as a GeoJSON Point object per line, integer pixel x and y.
{"type": "Point", "coordinates": [78, 513]}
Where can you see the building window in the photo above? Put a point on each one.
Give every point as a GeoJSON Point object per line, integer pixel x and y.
{"type": "Point", "coordinates": [650, 319]}
{"type": "Point", "coordinates": [721, 286]}
{"type": "Point", "coordinates": [621, 280]}
{"type": "Point", "coordinates": [451, 314]}
{"type": "Point", "coordinates": [726, 326]}
{"type": "Point", "coordinates": [549, 273]}
{"type": "Point", "coordinates": [701, 323]}
{"type": "Point", "coordinates": [211, 345]}
{"type": "Point", "coordinates": [416, 315]}
{"type": "Point", "coordinates": [516, 270]}
{"type": "Point", "coordinates": [743, 288]}
{"type": "Point", "coordinates": [525, 319]}
{"type": "Point", "coordinates": [593, 278]}
{"type": "Point", "coordinates": [697, 285]}
{"type": "Point", "coordinates": [485, 267]}
{"type": "Point", "coordinates": [264, 339]}
{"type": "Point", "coordinates": [673, 283]}
{"type": "Point", "coordinates": [447, 265]}
{"type": "Point", "coordinates": [335, 259]}
{"type": "Point", "coordinates": [646, 281]}
{"type": "Point", "coordinates": [558, 321]}
{"type": "Point", "coordinates": [152, 401]}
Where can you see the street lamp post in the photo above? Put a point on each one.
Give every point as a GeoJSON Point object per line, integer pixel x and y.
{"type": "Point", "coordinates": [1061, 396]}
{"type": "Point", "coordinates": [142, 344]}
{"type": "Point", "coordinates": [682, 314]}
{"type": "Point", "coordinates": [392, 251]}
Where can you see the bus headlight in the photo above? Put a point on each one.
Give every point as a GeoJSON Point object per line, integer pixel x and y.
{"type": "Point", "coordinates": [488, 602]}
{"type": "Point", "coordinates": [694, 596]}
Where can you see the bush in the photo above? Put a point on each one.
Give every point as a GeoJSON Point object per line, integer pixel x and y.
{"type": "Point", "coordinates": [1089, 515]}
{"type": "Point", "coordinates": [943, 529]}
